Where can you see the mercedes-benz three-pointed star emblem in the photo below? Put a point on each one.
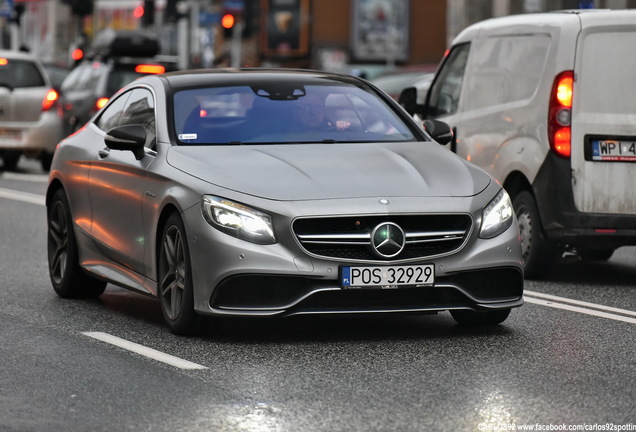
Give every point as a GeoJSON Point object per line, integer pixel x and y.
{"type": "Point", "coordinates": [387, 240]}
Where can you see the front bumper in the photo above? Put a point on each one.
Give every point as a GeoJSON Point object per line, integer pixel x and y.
{"type": "Point", "coordinates": [232, 277]}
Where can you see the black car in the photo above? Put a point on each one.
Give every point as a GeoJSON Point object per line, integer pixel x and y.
{"type": "Point", "coordinates": [116, 59]}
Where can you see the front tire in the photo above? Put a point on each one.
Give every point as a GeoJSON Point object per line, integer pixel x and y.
{"type": "Point", "coordinates": [67, 277]}
{"type": "Point", "coordinates": [538, 254]}
{"type": "Point", "coordinates": [469, 317]}
{"type": "Point", "coordinates": [175, 279]}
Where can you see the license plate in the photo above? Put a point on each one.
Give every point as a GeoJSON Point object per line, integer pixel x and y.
{"type": "Point", "coordinates": [614, 150]}
{"type": "Point", "coordinates": [10, 136]}
{"type": "Point", "coordinates": [388, 276]}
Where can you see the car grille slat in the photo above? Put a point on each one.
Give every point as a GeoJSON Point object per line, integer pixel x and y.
{"type": "Point", "coordinates": [350, 237]}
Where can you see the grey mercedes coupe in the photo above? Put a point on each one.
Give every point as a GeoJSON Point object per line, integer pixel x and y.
{"type": "Point", "coordinates": [277, 192]}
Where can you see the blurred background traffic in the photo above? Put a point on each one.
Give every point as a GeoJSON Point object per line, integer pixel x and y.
{"type": "Point", "coordinates": [79, 52]}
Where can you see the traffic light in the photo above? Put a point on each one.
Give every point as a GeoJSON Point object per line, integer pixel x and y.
{"type": "Point", "coordinates": [172, 13]}
{"type": "Point", "coordinates": [80, 7]}
{"type": "Point", "coordinates": [148, 17]}
{"type": "Point", "coordinates": [228, 21]}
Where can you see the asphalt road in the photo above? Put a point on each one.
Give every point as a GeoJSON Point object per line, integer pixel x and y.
{"type": "Point", "coordinates": [565, 359]}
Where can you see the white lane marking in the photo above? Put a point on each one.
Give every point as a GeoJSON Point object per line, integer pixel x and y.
{"type": "Point", "coordinates": [578, 309]}
{"type": "Point", "coordinates": [39, 178]}
{"type": "Point", "coordinates": [580, 303]}
{"type": "Point", "coordinates": [144, 351]}
{"type": "Point", "coordinates": [22, 196]}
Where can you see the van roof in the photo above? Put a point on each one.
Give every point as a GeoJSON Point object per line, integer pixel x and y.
{"type": "Point", "coordinates": [559, 18]}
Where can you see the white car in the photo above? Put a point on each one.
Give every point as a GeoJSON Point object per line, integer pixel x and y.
{"type": "Point", "coordinates": [545, 103]}
{"type": "Point", "coordinates": [30, 124]}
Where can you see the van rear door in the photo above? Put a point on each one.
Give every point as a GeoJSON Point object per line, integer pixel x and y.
{"type": "Point", "coordinates": [604, 114]}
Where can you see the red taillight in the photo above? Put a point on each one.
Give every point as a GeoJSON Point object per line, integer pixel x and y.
{"type": "Point", "coordinates": [49, 100]}
{"type": "Point", "coordinates": [101, 102]}
{"type": "Point", "coordinates": [560, 114]}
{"type": "Point", "coordinates": [150, 69]}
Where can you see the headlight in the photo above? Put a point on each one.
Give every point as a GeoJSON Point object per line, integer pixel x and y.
{"type": "Point", "coordinates": [238, 220]}
{"type": "Point", "coordinates": [496, 216]}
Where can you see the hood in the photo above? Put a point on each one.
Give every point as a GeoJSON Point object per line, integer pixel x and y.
{"type": "Point", "coordinates": [333, 171]}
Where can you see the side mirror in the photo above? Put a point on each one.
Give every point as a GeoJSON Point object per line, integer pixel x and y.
{"type": "Point", "coordinates": [407, 100]}
{"type": "Point", "coordinates": [439, 131]}
{"type": "Point", "coordinates": [127, 137]}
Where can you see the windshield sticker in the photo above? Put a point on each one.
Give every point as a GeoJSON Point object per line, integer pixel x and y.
{"type": "Point", "coordinates": [190, 136]}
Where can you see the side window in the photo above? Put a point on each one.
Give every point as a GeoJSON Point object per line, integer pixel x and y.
{"type": "Point", "coordinates": [72, 79]}
{"type": "Point", "coordinates": [445, 91]}
{"type": "Point", "coordinates": [109, 118]}
{"type": "Point", "coordinates": [140, 109]}
{"type": "Point", "coordinates": [506, 69]}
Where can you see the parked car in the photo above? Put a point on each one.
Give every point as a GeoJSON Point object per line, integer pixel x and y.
{"type": "Point", "coordinates": [116, 59]}
{"type": "Point", "coordinates": [29, 122]}
{"type": "Point", "coordinates": [277, 192]}
{"type": "Point", "coordinates": [544, 102]}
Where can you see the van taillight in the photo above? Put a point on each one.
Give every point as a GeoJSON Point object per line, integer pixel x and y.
{"type": "Point", "coordinates": [49, 100]}
{"type": "Point", "coordinates": [560, 114]}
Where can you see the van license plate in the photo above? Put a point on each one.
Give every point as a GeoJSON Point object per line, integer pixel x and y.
{"type": "Point", "coordinates": [387, 276]}
{"type": "Point", "coordinates": [614, 150]}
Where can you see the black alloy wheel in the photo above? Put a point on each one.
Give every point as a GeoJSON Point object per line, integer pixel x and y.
{"type": "Point", "coordinates": [67, 277]}
{"type": "Point", "coordinates": [175, 279]}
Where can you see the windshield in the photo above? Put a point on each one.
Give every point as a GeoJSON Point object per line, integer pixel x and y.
{"type": "Point", "coordinates": [284, 113]}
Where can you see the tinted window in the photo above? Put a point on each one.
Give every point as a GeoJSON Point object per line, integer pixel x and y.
{"type": "Point", "coordinates": [140, 109]}
{"type": "Point", "coordinates": [506, 69]}
{"type": "Point", "coordinates": [285, 113]}
{"type": "Point", "coordinates": [20, 73]}
{"type": "Point", "coordinates": [445, 91]}
{"type": "Point", "coordinates": [109, 118]}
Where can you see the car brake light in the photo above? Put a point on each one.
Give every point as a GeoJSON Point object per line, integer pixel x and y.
{"type": "Point", "coordinates": [3, 61]}
{"type": "Point", "coordinates": [560, 114]}
{"type": "Point", "coordinates": [150, 69]}
{"type": "Point", "coordinates": [101, 102]}
{"type": "Point", "coordinates": [49, 100]}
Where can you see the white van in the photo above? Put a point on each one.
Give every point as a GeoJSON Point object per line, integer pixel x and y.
{"type": "Point", "coordinates": [547, 104]}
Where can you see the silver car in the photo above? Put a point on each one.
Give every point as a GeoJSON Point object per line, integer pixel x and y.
{"type": "Point", "coordinates": [30, 124]}
{"type": "Point", "coordinates": [267, 192]}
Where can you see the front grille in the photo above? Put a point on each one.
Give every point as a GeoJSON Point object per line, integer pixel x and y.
{"type": "Point", "coordinates": [350, 237]}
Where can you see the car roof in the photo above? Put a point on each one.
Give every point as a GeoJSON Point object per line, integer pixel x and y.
{"type": "Point", "coordinates": [247, 76]}
{"type": "Point", "coordinates": [18, 55]}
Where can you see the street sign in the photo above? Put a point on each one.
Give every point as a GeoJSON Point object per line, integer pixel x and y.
{"type": "Point", "coordinates": [208, 19]}
{"type": "Point", "coordinates": [6, 8]}
{"type": "Point", "coordinates": [234, 5]}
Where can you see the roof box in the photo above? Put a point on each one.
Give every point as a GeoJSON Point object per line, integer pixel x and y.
{"type": "Point", "coordinates": [125, 43]}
